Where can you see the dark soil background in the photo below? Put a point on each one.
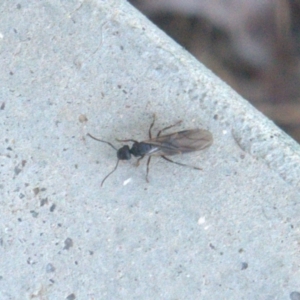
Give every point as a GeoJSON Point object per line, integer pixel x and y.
{"type": "Point", "coordinates": [252, 45]}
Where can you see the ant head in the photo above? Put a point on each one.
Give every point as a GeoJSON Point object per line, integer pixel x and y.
{"type": "Point", "coordinates": [124, 153]}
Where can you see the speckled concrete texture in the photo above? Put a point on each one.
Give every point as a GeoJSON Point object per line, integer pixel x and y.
{"type": "Point", "coordinates": [231, 231]}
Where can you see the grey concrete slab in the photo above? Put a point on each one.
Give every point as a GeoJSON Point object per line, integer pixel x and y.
{"type": "Point", "coordinates": [231, 231]}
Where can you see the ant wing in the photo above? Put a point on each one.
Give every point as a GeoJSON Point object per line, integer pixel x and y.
{"type": "Point", "coordinates": [181, 142]}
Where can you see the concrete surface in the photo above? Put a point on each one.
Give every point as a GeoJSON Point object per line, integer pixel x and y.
{"type": "Point", "coordinates": [231, 231]}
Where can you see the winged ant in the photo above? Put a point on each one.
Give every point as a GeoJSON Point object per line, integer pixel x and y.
{"type": "Point", "coordinates": [162, 145]}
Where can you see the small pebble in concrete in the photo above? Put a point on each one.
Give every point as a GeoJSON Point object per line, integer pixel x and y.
{"type": "Point", "coordinates": [295, 296]}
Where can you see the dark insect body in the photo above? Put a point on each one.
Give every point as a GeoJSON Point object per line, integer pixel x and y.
{"type": "Point", "coordinates": [163, 145]}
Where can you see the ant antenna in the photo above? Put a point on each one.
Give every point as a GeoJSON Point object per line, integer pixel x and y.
{"type": "Point", "coordinates": [110, 173]}
{"type": "Point", "coordinates": [108, 143]}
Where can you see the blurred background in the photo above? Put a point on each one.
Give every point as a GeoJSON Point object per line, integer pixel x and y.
{"type": "Point", "coordinates": [252, 45]}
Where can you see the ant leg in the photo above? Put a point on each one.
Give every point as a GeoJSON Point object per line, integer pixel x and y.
{"type": "Point", "coordinates": [180, 164]}
{"type": "Point", "coordinates": [139, 159]}
{"type": "Point", "coordinates": [166, 128]}
{"type": "Point", "coordinates": [148, 163]}
{"type": "Point", "coordinates": [150, 134]}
